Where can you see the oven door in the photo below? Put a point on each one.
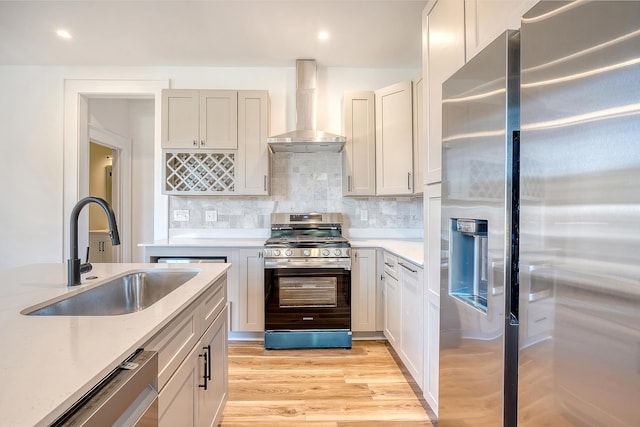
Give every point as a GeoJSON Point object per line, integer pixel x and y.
{"type": "Point", "coordinates": [307, 298]}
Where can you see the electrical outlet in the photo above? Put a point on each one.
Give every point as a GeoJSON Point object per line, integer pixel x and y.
{"type": "Point", "coordinates": [210, 216]}
{"type": "Point", "coordinates": [181, 215]}
{"type": "Point", "coordinates": [364, 215]}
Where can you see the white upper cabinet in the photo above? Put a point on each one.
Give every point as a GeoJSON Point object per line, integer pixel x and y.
{"type": "Point", "coordinates": [446, 54]}
{"type": "Point", "coordinates": [200, 119]}
{"type": "Point", "coordinates": [394, 139]}
{"type": "Point", "coordinates": [359, 154]}
{"type": "Point", "coordinates": [219, 119]}
{"type": "Point", "coordinates": [180, 119]}
{"type": "Point", "coordinates": [215, 142]}
{"type": "Point", "coordinates": [487, 19]}
{"type": "Point", "coordinates": [253, 150]}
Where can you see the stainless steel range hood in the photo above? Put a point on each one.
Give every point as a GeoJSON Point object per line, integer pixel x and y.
{"type": "Point", "coordinates": [306, 139]}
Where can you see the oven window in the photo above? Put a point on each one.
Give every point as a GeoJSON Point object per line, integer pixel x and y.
{"type": "Point", "coordinates": [308, 292]}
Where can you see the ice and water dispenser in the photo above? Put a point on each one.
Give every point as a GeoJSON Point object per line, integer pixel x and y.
{"type": "Point", "coordinates": [468, 262]}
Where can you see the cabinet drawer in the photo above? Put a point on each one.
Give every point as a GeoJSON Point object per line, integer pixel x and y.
{"type": "Point", "coordinates": [175, 342]}
{"type": "Point", "coordinates": [391, 264]}
{"type": "Point", "coordinates": [213, 302]}
{"type": "Point", "coordinates": [410, 272]}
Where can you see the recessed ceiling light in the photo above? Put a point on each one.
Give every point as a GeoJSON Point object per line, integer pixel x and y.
{"type": "Point", "coordinates": [323, 35]}
{"type": "Point", "coordinates": [64, 34]}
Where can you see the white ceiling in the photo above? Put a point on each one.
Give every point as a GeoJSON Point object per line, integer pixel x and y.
{"type": "Point", "coordinates": [218, 33]}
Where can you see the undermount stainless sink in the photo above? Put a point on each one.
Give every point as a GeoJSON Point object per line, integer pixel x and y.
{"type": "Point", "coordinates": [130, 293]}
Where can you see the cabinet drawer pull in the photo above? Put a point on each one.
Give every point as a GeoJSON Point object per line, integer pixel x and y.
{"type": "Point", "coordinates": [208, 361]}
{"type": "Point", "coordinates": [207, 366]}
{"type": "Point", "coordinates": [408, 268]}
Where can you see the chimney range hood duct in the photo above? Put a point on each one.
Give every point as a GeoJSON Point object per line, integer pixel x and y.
{"type": "Point", "coordinates": [306, 139]}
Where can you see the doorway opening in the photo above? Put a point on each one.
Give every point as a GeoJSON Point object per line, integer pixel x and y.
{"type": "Point", "coordinates": [137, 169]}
{"type": "Point", "coordinates": [101, 166]}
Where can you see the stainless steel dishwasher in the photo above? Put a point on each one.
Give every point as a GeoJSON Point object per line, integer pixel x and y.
{"type": "Point", "coordinates": [128, 396]}
{"type": "Point", "coordinates": [188, 259]}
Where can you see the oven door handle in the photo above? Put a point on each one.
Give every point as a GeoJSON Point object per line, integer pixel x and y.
{"type": "Point", "coordinates": [343, 264]}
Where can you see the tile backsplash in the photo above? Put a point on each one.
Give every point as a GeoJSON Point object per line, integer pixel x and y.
{"type": "Point", "coordinates": [300, 182]}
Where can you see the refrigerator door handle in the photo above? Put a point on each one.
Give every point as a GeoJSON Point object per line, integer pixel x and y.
{"type": "Point", "coordinates": [513, 301]}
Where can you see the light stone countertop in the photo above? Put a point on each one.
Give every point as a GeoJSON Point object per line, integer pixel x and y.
{"type": "Point", "coordinates": [48, 362]}
{"type": "Point", "coordinates": [410, 249]}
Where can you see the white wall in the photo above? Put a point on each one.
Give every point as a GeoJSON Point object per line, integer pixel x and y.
{"type": "Point", "coordinates": [30, 165]}
{"type": "Point", "coordinates": [142, 184]}
{"type": "Point", "coordinates": [31, 136]}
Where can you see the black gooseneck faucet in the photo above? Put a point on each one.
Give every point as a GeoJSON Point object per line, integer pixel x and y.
{"type": "Point", "coordinates": [73, 264]}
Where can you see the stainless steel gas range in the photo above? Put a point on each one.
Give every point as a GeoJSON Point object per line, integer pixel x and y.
{"type": "Point", "coordinates": [307, 272]}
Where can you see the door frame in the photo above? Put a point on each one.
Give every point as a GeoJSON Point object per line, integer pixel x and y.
{"type": "Point", "coordinates": [76, 148]}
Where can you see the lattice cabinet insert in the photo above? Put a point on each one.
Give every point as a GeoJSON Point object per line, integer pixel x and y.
{"type": "Point", "coordinates": [199, 172]}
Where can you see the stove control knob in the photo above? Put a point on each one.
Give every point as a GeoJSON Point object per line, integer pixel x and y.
{"type": "Point", "coordinates": [276, 252]}
{"type": "Point", "coordinates": [306, 252]}
{"type": "Point", "coordinates": [337, 252]}
{"type": "Point", "coordinates": [288, 252]}
{"type": "Point", "coordinates": [325, 252]}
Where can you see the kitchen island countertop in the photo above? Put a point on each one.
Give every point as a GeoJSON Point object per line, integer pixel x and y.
{"type": "Point", "coordinates": [48, 362]}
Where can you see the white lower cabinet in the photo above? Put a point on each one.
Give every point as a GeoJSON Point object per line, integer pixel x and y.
{"type": "Point", "coordinates": [192, 354]}
{"type": "Point", "coordinates": [248, 311]}
{"type": "Point", "coordinates": [176, 401]}
{"type": "Point", "coordinates": [411, 346]}
{"type": "Point", "coordinates": [392, 313]}
{"type": "Point", "coordinates": [196, 393]}
{"type": "Point", "coordinates": [210, 400]}
{"type": "Point", "coordinates": [100, 249]}
{"type": "Point", "coordinates": [403, 309]}
{"type": "Point", "coordinates": [364, 286]}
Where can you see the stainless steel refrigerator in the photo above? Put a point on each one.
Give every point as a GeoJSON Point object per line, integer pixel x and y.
{"type": "Point", "coordinates": [540, 287]}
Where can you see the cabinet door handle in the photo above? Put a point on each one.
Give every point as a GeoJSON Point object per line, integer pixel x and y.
{"type": "Point", "coordinates": [208, 359]}
{"type": "Point", "coordinates": [195, 143]}
{"type": "Point", "coordinates": [408, 180]}
{"type": "Point", "coordinates": [265, 183]}
{"type": "Point", "coordinates": [202, 143]}
{"type": "Point", "coordinates": [206, 375]}
{"type": "Point", "coordinates": [408, 268]}
{"type": "Point", "coordinates": [349, 183]}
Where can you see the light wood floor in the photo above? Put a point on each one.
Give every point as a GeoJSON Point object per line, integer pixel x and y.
{"type": "Point", "coordinates": [363, 386]}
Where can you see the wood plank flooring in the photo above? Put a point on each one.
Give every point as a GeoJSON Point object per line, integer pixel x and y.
{"type": "Point", "coordinates": [362, 386]}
